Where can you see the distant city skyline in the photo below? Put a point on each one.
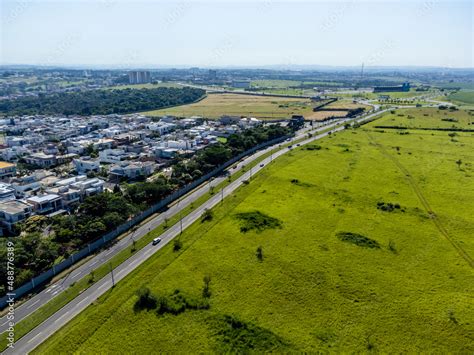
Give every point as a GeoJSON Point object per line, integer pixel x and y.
{"type": "Point", "coordinates": [127, 35]}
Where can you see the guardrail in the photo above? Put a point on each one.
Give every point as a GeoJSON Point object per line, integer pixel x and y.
{"type": "Point", "coordinates": [97, 244]}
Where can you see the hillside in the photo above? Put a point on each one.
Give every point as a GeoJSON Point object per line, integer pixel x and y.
{"type": "Point", "coordinates": [365, 244]}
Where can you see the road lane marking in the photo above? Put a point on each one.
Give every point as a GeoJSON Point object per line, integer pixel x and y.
{"type": "Point", "coordinates": [102, 286]}
{"type": "Point", "coordinates": [37, 335]}
{"type": "Point", "coordinates": [85, 299]}
{"type": "Point", "coordinates": [76, 274]}
{"type": "Point", "coordinates": [64, 315]}
{"type": "Point", "coordinates": [57, 291]}
{"type": "Point", "coordinates": [31, 305]}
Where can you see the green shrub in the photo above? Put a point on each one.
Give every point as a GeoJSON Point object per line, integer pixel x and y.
{"type": "Point", "coordinates": [392, 247]}
{"type": "Point", "coordinates": [313, 147]}
{"type": "Point", "coordinates": [388, 206]}
{"type": "Point", "coordinates": [178, 302]}
{"type": "Point", "coordinates": [207, 215]}
{"type": "Point", "coordinates": [237, 336]}
{"type": "Point", "coordinates": [206, 291]}
{"type": "Point", "coordinates": [257, 221]}
{"type": "Point", "coordinates": [177, 244]}
{"type": "Point", "coordinates": [146, 300]}
{"type": "Point", "coordinates": [358, 239]}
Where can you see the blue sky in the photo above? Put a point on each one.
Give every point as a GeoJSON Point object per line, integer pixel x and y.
{"type": "Point", "coordinates": [245, 33]}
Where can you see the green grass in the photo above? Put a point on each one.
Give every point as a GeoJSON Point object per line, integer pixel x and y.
{"type": "Point", "coordinates": [463, 85]}
{"type": "Point", "coordinates": [410, 95]}
{"type": "Point", "coordinates": [428, 117]}
{"type": "Point", "coordinates": [280, 84]}
{"type": "Point", "coordinates": [463, 97]}
{"type": "Point", "coordinates": [313, 291]}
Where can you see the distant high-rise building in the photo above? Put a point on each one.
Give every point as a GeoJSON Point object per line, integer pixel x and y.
{"type": "Point", "coordinates": [212, 74]}
{"type": "Point", "coordinates": [139, 77]}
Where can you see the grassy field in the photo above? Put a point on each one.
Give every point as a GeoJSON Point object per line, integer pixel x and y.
{"type": "Point", "coordinates": [347, 104]}
{"type": "Point", "coordinates": [463, 85]}
{"type": "Point", "coordinates": [428, 118]}
{"type": "Point", "coordinates": [373, 96]}
{"type": "Point", "coordinates": [281, 84]}
{"type": "Point", "coordinates": [261, 107]}
{"type": "Point", "coordinates": [463, 97]}
{"type": "Point", "coordinates": [341, 268]}
{"type": "Point", "coordinates": [216, 105]}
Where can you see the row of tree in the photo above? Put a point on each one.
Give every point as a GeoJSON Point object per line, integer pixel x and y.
{"type": "Point", "coordinates": [101, 102]}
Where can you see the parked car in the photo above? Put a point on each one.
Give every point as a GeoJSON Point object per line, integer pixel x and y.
{"type": "Point", "coordinates": [156, 241]}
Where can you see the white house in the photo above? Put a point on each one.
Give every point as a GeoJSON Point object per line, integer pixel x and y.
{"type": "Point", "coordinates": [12, 212]}
{"type": "Point", "coordinates": [132, 170]}
{"type": "Point", "coordinates": [7, 193]}
{"type": "Point", "coordinates": [86, 164]}
{"type": "Point", "coordinates": [7, 170]}
{"type": "Point", "coordinates": [113, 156]}
{"type": "Point", "coordinates": [45, 204]}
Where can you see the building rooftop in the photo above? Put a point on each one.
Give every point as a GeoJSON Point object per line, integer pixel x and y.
{"type": "Point", "coordinates": [44, 198]}
{"type": "Point", "coordinates": [4, 164]}
{"type": "Point", "coordinates": [13, 207]}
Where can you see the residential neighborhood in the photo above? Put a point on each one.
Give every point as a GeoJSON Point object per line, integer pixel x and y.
{"type": "Point", "coordinates": [50, 164]}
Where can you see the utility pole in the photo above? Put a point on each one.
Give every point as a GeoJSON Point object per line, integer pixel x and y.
{"type": "Point", "coordinates": [222, 194]}
{"type": "Point", "coordinates": [250, 173]}
{"type": "Point", "coordinates": [181, 222]}
{"type": "Point", "coordinates": [112, 274]}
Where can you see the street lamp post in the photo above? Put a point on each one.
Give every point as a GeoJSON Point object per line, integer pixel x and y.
{"type": "Point", "coordinates": [112, 274]}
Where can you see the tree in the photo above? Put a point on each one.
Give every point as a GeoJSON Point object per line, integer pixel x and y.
{"type": "Point", "coordinates": [206, 292]}
{"type": "Point", "coordinates": [146, 300]}
{"type": "Point", "coordinates": [177, 244]}
{"type": "Point", "coordinates": [459, 162]}
{"type": "Point", "coordinates": [207, 215]}
{"type": "Point", "coordinates": [117, 189]}
{"type": "Point", "coordinates": [91, 277]}
{"type": "Point", "coordinates": [112, 220]}
{"type": "Point", "coordinates": [260, 253]}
